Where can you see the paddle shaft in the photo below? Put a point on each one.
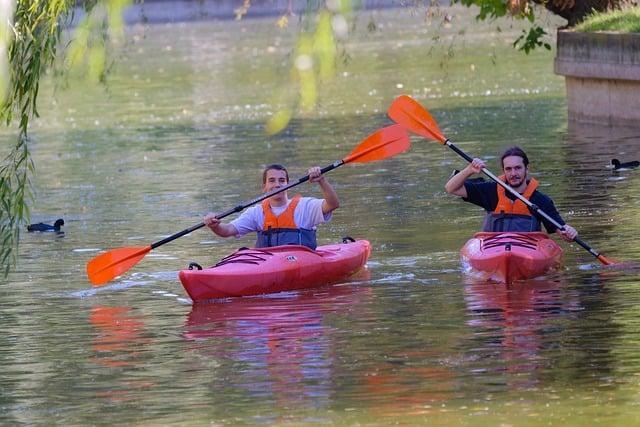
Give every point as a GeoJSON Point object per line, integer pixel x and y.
{"type": "Point", "coordinates": [356, 154]}
{"type": "Point", "coordinates": [251, 202]}
{"type": "Point", "coordinates": [523, 199]}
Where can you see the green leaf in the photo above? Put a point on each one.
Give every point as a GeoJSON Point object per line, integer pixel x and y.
{"type": "Point", "coordinates": [531, 39]}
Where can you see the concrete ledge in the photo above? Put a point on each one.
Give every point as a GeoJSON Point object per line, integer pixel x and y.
{"type": "Point", "coordinates": [602, 75]}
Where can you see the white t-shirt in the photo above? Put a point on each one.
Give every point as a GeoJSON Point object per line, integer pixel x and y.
{"type": "Point", "coordinates": [307, 215]}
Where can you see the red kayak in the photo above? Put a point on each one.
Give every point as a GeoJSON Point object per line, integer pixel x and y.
{"type": "Point", "coordinates": [507, 257]}
{"type": "Point", "coordinates": [251, 271]}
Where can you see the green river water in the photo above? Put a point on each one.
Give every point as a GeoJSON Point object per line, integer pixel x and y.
{"type": "Point", "coordinates": [178, 132]}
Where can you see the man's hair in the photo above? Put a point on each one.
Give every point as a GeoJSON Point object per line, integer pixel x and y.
{"type": "Point", "coordinates": [515, 151]}
{"type": "Point", "coordinates": [276, 167]}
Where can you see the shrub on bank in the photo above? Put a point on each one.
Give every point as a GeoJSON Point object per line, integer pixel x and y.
{"type": "Point", "coordinates": [624, 21]}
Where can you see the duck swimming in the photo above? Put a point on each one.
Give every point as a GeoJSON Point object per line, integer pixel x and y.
{"type": "Point", "coordinates": [46, 227]}
{"type": "Point", "coordinates": [626, 165]}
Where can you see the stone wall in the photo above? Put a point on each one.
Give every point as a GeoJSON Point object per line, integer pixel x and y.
{"type": "Point", "coordinates": [602, 75]}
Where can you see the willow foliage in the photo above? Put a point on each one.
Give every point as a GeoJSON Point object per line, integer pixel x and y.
{"type": "Point", "coordinates": [314, 60]}
{"type": "Point", "coordinates": [30, 41]}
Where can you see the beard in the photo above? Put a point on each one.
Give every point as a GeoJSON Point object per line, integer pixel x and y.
{"type": "Point", "coordinates": [516, 182]}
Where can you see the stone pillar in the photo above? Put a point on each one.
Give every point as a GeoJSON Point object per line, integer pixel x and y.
{"type": "Point", "coordinates": [602, 76]}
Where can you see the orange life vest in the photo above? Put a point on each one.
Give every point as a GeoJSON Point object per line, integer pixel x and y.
{"type": "Point", "coordinates": [284, 220]}
{"type": "Point", "coordinates": [514, 207]}
{"type": "Point", "coordinates": [282, 229]}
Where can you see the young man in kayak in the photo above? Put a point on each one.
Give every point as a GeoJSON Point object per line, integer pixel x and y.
{"type": "Point", "coordinates": [280, 220]}
{"type": "Point", "coordinates": [504, 211]}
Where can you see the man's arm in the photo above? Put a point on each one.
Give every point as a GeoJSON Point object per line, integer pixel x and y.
{"type": "Point", "coordinates": [331, 201]}
{"type": "Point", "coordinates": [456, 184]}
{"type": "Point", "coordinates": [545, 204]}
{"type": "Point", "coordinates": [222, 230]}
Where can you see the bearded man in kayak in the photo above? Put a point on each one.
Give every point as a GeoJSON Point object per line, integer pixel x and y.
{"type": "Point", "coordinates": [280, 220]}
{"type": "Point", "coordinates": [504, 211]}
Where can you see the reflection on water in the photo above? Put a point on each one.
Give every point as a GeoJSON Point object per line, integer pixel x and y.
{"type": "Point", "coordinates": [399, 384]}
{"type": "Point", "coordinates": [280, 348]}
{"type": "Point", "coordinates": [117, 345]}
{"type": "Point", "coordinates": [523, 332]}
{"type": "Point", "coordinates": [513, 324]}
{"type": "Point", "coordinates": [116, 330]}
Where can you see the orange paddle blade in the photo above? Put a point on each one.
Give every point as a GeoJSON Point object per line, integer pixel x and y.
{"type": "Point", "coordinates": [409, 113]}
{"type": "Point", "coordinates": [108, 265]}
{"type": "Point", "coordinates": [384, 143]}
{"type": "Point", "coordinates": [618, 265]}
{"type": "Point", "coordinates": [607, 261]}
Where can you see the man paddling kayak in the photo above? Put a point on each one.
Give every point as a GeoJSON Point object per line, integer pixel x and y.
{"type": "Point", "coordinates": [504, 211]}
{"type": "Point", "coordinates": [279, 220]}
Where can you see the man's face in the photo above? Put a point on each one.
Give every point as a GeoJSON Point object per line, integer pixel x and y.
{"type": "Point", "coordinates": [275, 179]}
{"type": "Point", "coordinates": [515, 171]}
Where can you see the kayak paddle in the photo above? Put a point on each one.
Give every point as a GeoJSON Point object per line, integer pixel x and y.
{"type": "Point", "coordinates": [382, 144]}
{"type": "Point", "coordinates": [407, 112]}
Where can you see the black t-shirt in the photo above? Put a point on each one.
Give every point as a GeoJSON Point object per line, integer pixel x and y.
{"type": "Point", "coordinates": [485, 194]}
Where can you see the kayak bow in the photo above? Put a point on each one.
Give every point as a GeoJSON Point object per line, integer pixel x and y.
{"type": "Point", "coordinates": [507, 257]}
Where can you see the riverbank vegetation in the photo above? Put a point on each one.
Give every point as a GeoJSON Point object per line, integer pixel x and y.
{"type": "Point", "coordinates": [624, 21]}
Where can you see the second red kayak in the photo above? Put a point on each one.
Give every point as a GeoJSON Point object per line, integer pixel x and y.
{"type": "Point", "coordinates": [508, 257]}
{"type": "Point", "coordinates": [251, 271]}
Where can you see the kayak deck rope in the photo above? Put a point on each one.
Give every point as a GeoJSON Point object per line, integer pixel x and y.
{"type": "Point", "coordinates": [245, 256]}
{"type": "Point", "coordinates": [513, 240]}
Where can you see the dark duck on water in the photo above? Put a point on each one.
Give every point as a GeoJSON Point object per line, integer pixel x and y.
{"type": "Point", "coordinates": [46, 227]}
{"type": "Point", "coordinates": [626, 165]}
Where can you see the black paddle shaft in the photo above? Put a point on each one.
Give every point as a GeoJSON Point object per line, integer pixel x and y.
{"type": "Point", "coordinates": [245, 205]}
